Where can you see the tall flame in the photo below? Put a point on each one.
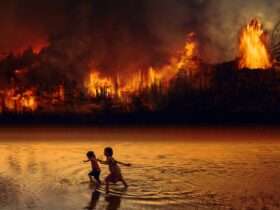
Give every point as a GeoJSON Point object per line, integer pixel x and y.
{"type": "Point", "coordinates": [101, 86]}
{"type": "Point", "coordinates": [189, 53]}
{"type": "Point", "coordinates": [123, 85]}
{"type": "Point", "coordinates": [253, 51]}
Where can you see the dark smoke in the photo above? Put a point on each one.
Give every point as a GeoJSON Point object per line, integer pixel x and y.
{"type": "Point", "coordinates": [125, 35]}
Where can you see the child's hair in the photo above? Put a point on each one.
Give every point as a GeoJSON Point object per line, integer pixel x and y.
{"type": "Point", "coordinates": [90, 154]}
{"type": "Point", "coordinates": [108, 151]}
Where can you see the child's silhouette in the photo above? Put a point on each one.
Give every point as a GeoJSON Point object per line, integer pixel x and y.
{"type": "Point", "coordinates": [115, 171]}
{"type": "Point", "coordinates": [95, 169]}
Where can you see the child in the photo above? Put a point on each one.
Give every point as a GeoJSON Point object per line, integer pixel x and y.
{"type": "Point", "coordinates": [115, 171]}
{"type": "Point", "coordinates": [95, 169]}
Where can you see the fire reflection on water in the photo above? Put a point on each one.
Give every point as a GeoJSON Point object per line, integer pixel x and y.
{"type": "Point", "coordinates": [183, 171]}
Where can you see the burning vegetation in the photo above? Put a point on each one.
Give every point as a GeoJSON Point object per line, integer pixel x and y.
{"type": "Point", "coordinates": [34, 81]}
{"type": "Point", "coordinates": [253, 50]}
{"type": "Point", "coordinates": [119, 86]}
{"type": "Point", "coordinates": [122, 87]}
{"type": "Point", "coordinates": [98, 86]}
{"type": "Point", "coordinates": [16, 101]}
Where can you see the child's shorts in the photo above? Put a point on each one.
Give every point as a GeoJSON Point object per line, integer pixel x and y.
{"type": "Point", "coordinates": [114, 178]}
{"type": "Point", "coordinates": [95, 174]}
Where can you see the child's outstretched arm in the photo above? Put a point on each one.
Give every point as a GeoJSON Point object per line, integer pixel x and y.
{"type": "Point", "coordinates": [124, 164]}
{"type": "Point", "coordinates": [85, 161]}
{"type": "Point", "coordinates": [102, 162]}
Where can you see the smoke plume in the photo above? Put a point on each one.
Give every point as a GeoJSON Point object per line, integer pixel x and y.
{"type": "Point", "coordinates": [125, 35]}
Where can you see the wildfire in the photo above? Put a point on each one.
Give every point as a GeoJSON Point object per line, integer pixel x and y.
{"type": "Point", "coordinates": [133, 84]}
{"type": "Point", "coordinates": [20, 101]}
{"type": "Point", "coordinates": [252, 47]}
{"type": "Point", "coordinates": [58, 95]}
{"type": "Point", "coordinates": [28, 100]}
{"type": "Point", "coordinates": [100, 86]}
{"type": "Point", "coordinates": [125, 85]}
{"type": "Point", "coordinates": [37, 46]}
{"type": "Point", "coordinates": [187, 59]}
{"type": "Point", "coordinates": [154, 77]}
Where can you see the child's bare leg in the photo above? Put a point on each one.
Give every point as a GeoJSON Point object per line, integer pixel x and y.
{"type": "Point", "coordinates": [107, 182]}
{"type": "Point", "coordinates": [124, 183]}
{"type": "Point", "coordinates": [107, 187]}
{"type": "Point", "coordinates": [98, 181]}
{"type": "Point", "coordinates": [90, 178]}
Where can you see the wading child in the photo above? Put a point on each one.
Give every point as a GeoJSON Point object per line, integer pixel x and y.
{"type": "Point", "coordinates": [115, 171]}
{"type": "Point", "coordinates": [95, 169]}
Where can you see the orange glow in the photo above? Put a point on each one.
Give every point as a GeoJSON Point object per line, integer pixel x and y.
{"type": "Point", "coordinates": [28, 100]}
{"type": "Point", "coordinates": [187, 60]}
{"type": "Point", "coordinates": [61, 92]}
{"type": "Point", "coordinates": [154, 77]}
{"type": "Point", "coordinates": [58, 95]}
{"type": "Point", "coordinates": [189, 53]}
{"type": "Point", "coordinates": [133, 84]}
{"type": "Point", "coordinates": [10, 99]}
{"type": "Point", "coordinates": [36, 46]}
{"type": "Point", "coordinates": [17, 102]}
{"type": "Point", "coordinates": [253, 51]}
{"type": "Point", "coordinates": [140, 80]}
{"type": "Point", "coordinates": [100, 86]}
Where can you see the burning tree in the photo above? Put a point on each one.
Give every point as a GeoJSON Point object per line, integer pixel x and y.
{"type": "Point", "coordinates": [99, 86]}
{"type": "Point", "coordinates": [189, 56]}
{"type": "Point", "coordinates": [20, 101]}
{"type": "Point", "coordinates": [253, 50]}
{"type": "Point", "coordinates": [145, 80]}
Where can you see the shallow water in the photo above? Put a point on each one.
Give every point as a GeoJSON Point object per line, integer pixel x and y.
{"type": "Point", "coordinates": [179, 174]}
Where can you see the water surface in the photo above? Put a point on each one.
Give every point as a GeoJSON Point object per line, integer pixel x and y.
{"type": "Point", "coordinates": [180, 170]}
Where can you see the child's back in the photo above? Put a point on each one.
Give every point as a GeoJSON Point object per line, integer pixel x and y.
{"type": "Point", "coordinates": [114, 169]}
{"type": "Point", "coordinates": [94, 164]}
{"type": "Point", "coordinates": [95, 169]}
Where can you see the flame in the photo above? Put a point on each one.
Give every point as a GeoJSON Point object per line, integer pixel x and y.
{"type": "Point", "coordinates": [18, 102]}
{"type": "Point", "coordinates": [154, 77]}
{"type": "Point", "coordinates": [189, 54]}
{"type": "Point", "coordinates": [61, 92]}
{"type": "Point", "coordinates": [142, 80]}
{"type": "Point", "coordinates": [252, 47]}
{"type": "Point", "coordinates": [133, 84]}
{"type": "Point", "coordinates": [28, 100]}
{"type": "Point", "coordinates": [187, 60]}
{"type": "Point", "coordinates": [100, 86]}
{"type": "Point", "coordinates": [139, 81]}
{"type": "Point", "coordinates": [10, 99]}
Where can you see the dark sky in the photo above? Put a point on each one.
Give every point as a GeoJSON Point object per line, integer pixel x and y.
{"type": "Point", "coordinates": [143, 32]}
